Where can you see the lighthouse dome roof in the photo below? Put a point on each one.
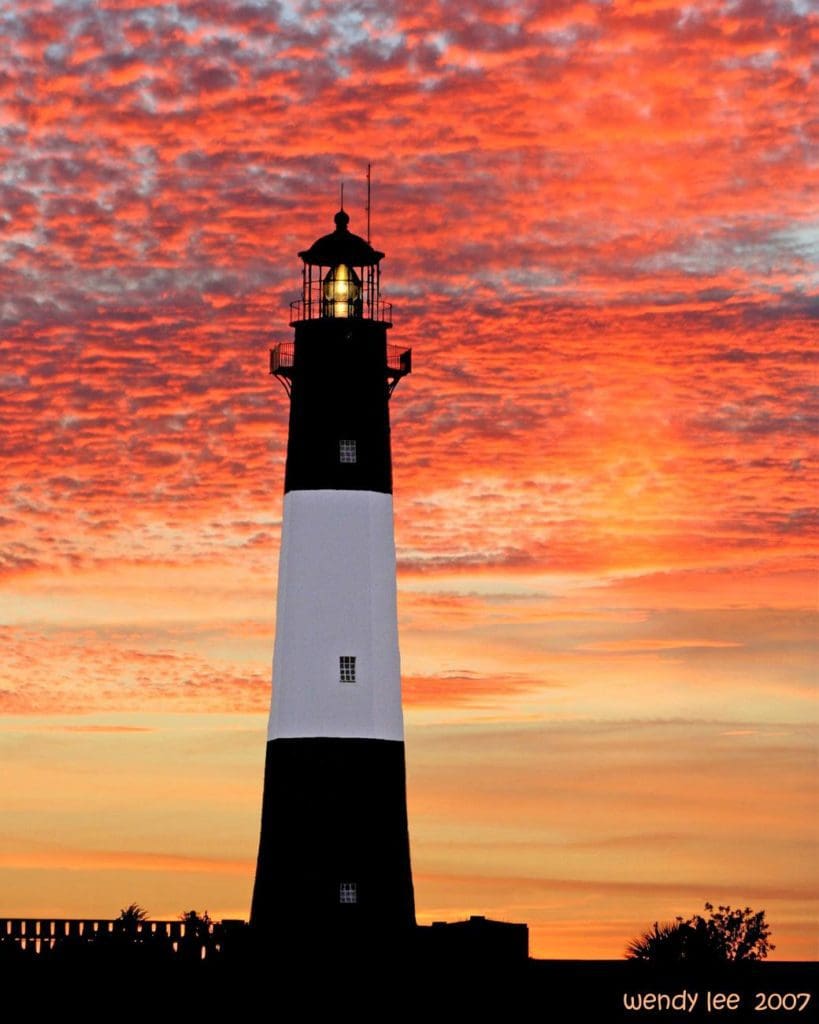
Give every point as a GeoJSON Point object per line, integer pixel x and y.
{"type": "Point", "coordinates": [342, 246]}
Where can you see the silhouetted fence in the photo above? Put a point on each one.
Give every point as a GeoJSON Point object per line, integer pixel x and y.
{"type": "Point", "coordinates": [50, 937]}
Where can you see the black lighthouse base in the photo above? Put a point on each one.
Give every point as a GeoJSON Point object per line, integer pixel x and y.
{"type": "Point", "coordinates": [334, 848]}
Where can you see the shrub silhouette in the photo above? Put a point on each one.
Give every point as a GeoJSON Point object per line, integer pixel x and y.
{"type": "Point", "coordinates": [726, 935]}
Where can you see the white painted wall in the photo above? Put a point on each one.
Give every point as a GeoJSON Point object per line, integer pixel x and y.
{"type": "Point", "coordinates": [336, 596]}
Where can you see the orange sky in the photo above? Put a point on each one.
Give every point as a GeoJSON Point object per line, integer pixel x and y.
{"type": "Point", "coordinates": [602, 246]}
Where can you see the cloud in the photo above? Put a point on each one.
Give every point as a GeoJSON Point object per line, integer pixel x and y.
{"type": "Point", "coordinates": [468, 688]}
{"type": "Point", "coordinates": [119, 860]}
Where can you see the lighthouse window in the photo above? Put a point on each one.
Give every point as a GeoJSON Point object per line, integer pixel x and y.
{"type": "Point", "coordinates": [348, 892]}
{"type": "Point", "coordinates": [346, 668]}
{"type": "Point", "coordinates": [347, 451]}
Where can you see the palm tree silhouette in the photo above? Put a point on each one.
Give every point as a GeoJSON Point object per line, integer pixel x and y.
{"type": "Point", "coordinates": [131, 917]}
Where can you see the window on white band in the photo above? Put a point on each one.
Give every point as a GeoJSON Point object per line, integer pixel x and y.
{"type": "Point", "coordinates": [347, 451]}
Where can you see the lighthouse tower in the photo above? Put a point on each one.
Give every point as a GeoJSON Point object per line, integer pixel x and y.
{"type": "Point", "coordinates": [334, 847]}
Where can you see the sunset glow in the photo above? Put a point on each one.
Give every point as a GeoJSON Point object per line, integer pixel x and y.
{"type": "Point", "coordinates": [603, 249]}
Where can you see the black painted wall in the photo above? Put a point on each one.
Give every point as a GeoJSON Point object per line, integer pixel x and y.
{"type": "Point", "coordinates": [339, 392]}
{"type": "Point", "coordinates": [334, 811]}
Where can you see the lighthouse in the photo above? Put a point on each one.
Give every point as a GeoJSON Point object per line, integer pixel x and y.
{"type": "Point", "coordinates": [334, 856]}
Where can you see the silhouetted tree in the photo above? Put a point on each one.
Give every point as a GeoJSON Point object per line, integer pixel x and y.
{"type": "Point", "coordinates": [733, 934]}
{"type": "Point", "coordinates": [133, 914]}
{"type": "Point", "coordinates": [725, 935]}
{"type": "Point", "coordinates": [663, 944]}
{"type": "Point", "coordinates": [129, 920]}
{"type": "Point", "coordinates": [197, 939]}
{"type": "Point", "coordinates": [196, 924]}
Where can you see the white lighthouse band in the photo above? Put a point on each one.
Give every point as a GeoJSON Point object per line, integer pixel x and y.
{"type": "Point", "coordinates": [336, 666]}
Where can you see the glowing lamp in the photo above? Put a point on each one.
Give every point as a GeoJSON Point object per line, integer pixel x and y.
{"type": "Point", "coordinates": [342, 290]}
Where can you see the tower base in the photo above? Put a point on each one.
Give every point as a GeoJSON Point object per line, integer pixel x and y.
{"type": "Point", "coordinates": [334, 858]}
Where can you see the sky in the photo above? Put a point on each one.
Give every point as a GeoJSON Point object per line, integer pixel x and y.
{"type": "Point", "coordinates": [603, 249]}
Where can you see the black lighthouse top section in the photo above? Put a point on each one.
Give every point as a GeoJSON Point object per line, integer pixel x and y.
{"type": "Point", "coordinates": [341, 279]}
{"type": "Point", "coordinates": [340, 347]}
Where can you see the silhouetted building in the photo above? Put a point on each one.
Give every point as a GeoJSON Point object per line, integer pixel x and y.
{"type": "Point", "coordinates": [334, 859]}
{"type": "Point", "coordinates": [476, 941]}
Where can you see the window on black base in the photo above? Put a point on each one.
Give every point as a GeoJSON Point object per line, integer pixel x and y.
{"type": "Point", "coordinates": [348, 892]}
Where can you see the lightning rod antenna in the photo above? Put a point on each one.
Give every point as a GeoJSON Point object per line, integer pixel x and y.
{"type": "Point", "coordinates": [341, 197]}
{"type": "Point", "coordinates": [369, 168]}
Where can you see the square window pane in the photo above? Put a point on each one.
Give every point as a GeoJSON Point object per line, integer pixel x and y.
{"type": "Point", "coordinates": [348, 892]}
{"type": "Point", "coordinates": [347, 451]}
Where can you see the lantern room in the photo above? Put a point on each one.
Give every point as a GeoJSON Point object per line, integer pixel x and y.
{"type": "Point", "coordinates": [341, 279]}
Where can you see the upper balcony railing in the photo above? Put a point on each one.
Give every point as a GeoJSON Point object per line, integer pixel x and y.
{"type": "Point", "coordinates": [320, 302]}
{"type": "Point", "coordinates": [318, 308]}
